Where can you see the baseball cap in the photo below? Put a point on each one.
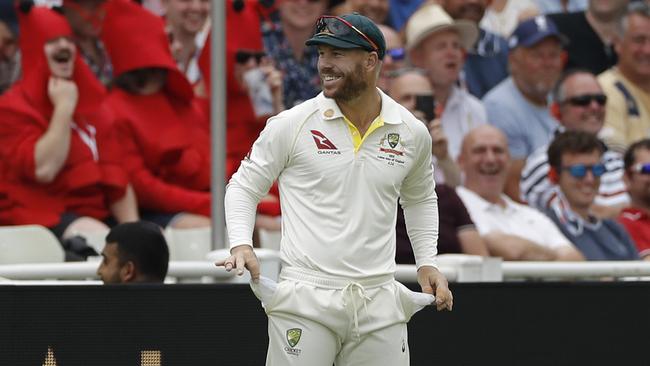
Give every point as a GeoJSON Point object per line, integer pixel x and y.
{"type": "Point", "coordinates": [348, 31]}
{"type": "Point", "coordinates": [432, 18]}
{"type": "Point", "coordinates": [532, 31]}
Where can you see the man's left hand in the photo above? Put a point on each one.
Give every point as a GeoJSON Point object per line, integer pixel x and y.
{"type": "Point", "coordinates": [433, 282]}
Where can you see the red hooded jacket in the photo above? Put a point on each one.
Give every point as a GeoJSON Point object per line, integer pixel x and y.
{"type": "Point", "coordinates": [165, 135]}
{"type": "Point", "coordinates": [88, 182]}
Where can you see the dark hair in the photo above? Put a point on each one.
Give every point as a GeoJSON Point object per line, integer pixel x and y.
{"type": "Point", "coordinates": [558, 90]}
{"type": "Point", "coordinates": [134, 80]}
{"type": "Point", "coordinates": [629, 157]}
{"type": "Point", "coordinates": [144, 244]}
{"type": "Point", "coordinates": [575, 142]}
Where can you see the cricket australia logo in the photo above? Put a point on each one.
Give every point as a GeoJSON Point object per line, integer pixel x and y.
{"type": "Point", "coordinates": [293, 337]}
{"type": "Point", "coordinates": [391, 149]}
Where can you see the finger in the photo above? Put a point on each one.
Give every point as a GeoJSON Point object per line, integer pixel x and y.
{"type": "Point", "coordinates": [240, 264]}
{"type": "Point", "coordinates": [227, 263]}
{"type": "Point", "coordinates": [427, 289]}
{"type": "Point", "coordinates": [254, 269]}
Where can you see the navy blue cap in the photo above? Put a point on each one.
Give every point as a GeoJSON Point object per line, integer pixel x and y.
{"type": "Point", "coordinates": [351, 38]}
{"type": "Point", "coordinates": [532, 31]}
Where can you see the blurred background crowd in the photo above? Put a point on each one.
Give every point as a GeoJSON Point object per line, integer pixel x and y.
{"type": "Point", "coordinates": [539, 113]}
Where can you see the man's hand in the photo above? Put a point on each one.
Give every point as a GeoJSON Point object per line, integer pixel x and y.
{"type": "Point", "coordinates": [62, 93]}
{"type": "Point", "coordinates": [433, 282]}
{"type": "Point", "coordinates": [440, 144]}
{"type": "Point", "coordinates": [241, 257]}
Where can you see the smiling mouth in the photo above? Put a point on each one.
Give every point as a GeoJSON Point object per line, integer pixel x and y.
{"type": "Point", "coordinates": [331, 78]}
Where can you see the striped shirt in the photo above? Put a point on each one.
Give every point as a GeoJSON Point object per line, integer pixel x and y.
{"type": "Point", "coordinates": [537, 190]}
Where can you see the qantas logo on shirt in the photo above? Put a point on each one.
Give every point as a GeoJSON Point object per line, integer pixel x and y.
{"type": "Point", "coordinates": [324, 145]}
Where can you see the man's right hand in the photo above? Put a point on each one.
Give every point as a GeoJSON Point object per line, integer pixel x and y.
{"type": "Point", "coordinates": [62, 93]}
{"type": "Point", "coordinates": [241, 257]}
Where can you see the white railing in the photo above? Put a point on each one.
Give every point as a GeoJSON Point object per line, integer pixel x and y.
{"type": "Point", "coordinates": [456, 267]}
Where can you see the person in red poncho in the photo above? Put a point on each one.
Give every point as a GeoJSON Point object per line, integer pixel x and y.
{"type": "Point", "coordinates": [164, 129]}
{"type": "Point", "coordinates": [60, 162]}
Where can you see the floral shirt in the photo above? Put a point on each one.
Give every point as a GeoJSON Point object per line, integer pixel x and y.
{"type": "Point", "coordinates": [300, 77]}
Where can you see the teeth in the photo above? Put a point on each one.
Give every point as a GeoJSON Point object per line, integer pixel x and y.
{"type": "Point", "coordinates": [330, 78]}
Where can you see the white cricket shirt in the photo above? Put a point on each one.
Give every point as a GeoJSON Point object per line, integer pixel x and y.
{"type": "Point", "coordinates": [339, 203]}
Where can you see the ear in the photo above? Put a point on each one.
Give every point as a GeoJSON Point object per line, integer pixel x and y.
{"type": "Point", "coordinates": [127, 272]}
{"type": "Point", "coordinates": [553, 175]}
{"type": "Point", "coordinates": [372, 60]}
{"type": "Point", "coordinates": [555, 110]}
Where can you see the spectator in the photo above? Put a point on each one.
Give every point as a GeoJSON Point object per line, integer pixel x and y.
{"type": "Point", "coordinates": [284, 34]}
{"type": "Point", "coordinates": [502, 16]}
{"type": "Point", "coordinates": [486, 63]}
{"type": "Point", "coordinates": [436, 43]}
{"type": "Point", "coordinates": [9, 55]}
{"type": "Point", "coordinates": [579, 105]}
{"type": "Point", "coordinates": [60, 161]}
{"type": "Point", "coordinates": [576, 168]}
{"type": "Point", "coordinates": [636, 218]}
{"type": "Point", "coordinates": [399, 12]}
{"type": "Point", "coordinates": [395, 56]}
{"type": "Point", "coordinates": [164, 132]}
{"type": "Point", "coordinates": [456, 230]}
{"type": "Point", "coordinates": [560, 6]}
{"type": "Point", "coordinates": [186, 23]}
{"type": "Point", "coordinates": [511, 230]}
{"type": "Point", "coordinates": [376, 10]}
{"type": "Point", "coordinates": [85, 18]}
{"type": "Point", "coordinates": [627, 85]}
{"type": "Point", "coordinates": [406, 86]}
{"type": "Point", "coordinates": [135, 252]}
{"type": "Point", "coordinates": [591, 34]}
{"type": "Point", "coordinates": [518, 105]}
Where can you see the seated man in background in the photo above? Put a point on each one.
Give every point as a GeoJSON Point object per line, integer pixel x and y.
{"type": "Point", "coordinates": [9, 55]}
{"type": "Point", "coordinates": [579, 105]}
{"type": "Point", "coordinates": [60, 161]}
{"type": "Point", "coordinates": [134, 252]}
{"type": "Point", "coordinates": [636, 218]}
{"type": "Point", "coordinates": [576, 167]}
{"type": "Point", "coordinates": [627, 84]}
{"type": "Point", "coordinates": [511, 230]}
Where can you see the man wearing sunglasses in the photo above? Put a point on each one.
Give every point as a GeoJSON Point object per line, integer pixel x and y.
{"type": "Point", "coordinates": [636, 218]}
{"type": "Point", "coordinates": [576, 167]}
{"type": "Point", "coordinates": [627, 85]}
{"type": "Point", "coordinates": [342, 160]}
{"type": "Point", "coordinates": [579, 105]}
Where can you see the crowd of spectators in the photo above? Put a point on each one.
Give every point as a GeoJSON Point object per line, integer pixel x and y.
{"type": "Point", "coordinates": [538, 110]}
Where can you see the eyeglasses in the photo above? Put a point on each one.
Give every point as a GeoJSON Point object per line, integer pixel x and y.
{"type": "Point", "coordinates": [586, 99]}
{"type": "Point", "coordinates": [641, 168]}
{"type": "Point", "coordinates": [243, 56]}
{"type": "Point", "coordinates": [337, 26]}
{"type": "Point", "coordinates": [397, 54]}
{"type": "Point", "coordinates": [580, 170]}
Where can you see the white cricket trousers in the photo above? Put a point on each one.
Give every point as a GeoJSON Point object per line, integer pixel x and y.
{"type": "Point", "coordinates": [320, 320]}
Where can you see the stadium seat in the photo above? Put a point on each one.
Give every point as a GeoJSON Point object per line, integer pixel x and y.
{"type": "Point", "coordinates": [29, 244]}
{"type": "Point", "coordinates": [188, 244]}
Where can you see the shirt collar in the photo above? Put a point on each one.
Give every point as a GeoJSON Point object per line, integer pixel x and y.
{"type": "Point", "coordinates": [390, 110]}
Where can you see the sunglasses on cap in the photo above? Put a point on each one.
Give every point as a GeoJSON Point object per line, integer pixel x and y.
{"type": "Point", "coordinates": [339, 27]}
{"type": "Point", "coordinates": [586, 99]}
{"type": "Point", "coordinates": [641, 168]}
{"type": "Point", "coordinates": [580, 170]}
{"type": "Point", "coordinates": [397, 54]}
{"type": "Point", "coordinates": [243, 56]}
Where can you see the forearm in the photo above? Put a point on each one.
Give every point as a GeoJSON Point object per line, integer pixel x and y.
{"type": "Point", "coordinates": [567, 253]}
{"type": "Point", "coordinates": [516, 248]}
{"type": "Point", "coordinates": [126, 208]}
{"type": "Point", "coordinates": [240, 208]}
{"type": "Point", "coordinates": [51, 150]}
{"type": "Point", "coordinates": [422, 228]}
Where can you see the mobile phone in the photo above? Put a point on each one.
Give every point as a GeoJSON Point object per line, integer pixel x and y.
{"type": "Point", "coordinates": [426, 104]}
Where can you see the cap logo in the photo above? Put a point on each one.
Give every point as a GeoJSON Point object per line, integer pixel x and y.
{"type": "Point", "coordinates": [541, 23]}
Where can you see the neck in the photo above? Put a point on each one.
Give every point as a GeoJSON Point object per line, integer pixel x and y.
{"type": "Point", "coordinates": [489, 194]}
{"type": "Point", "coordinates": [606, 28]}
{"type": "Point", "coordinates": [583, 212]}
{"type": "Point", "coordinates": [641, 204]}
{"type": "Point", "coordinates": [362, 110]}
{"type": "Point", "coordinates": [640, 81]}
{"type": "Point", "coordinates": [188, 46]}
{"type": "Point", "coordinates": [442, 92]}
{"type": "Point", "coordinates": [296, 38]}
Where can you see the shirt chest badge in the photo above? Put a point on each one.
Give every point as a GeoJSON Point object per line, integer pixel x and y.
{"type": "Point", "coordinates": [391, 149]}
